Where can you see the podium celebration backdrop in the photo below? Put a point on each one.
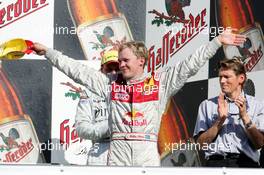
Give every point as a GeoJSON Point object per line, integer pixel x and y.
{"type": "Point", "coordinates": [172, 30]}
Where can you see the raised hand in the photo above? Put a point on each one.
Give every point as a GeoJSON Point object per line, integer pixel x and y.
{"type": "Point", "coordinates": [241, 104]}
{"type": "Point", "coordinates": [222, 107]}
{"type": "Point", "coordinates": [228, 37]}
{"type": "Point", "coordinates": [39, 49]}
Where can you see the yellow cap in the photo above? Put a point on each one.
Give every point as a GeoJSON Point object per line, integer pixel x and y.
{"type": "Point", "coordinates": [110, 56]}
{"type": "Point", "coordinates": [14, 49]}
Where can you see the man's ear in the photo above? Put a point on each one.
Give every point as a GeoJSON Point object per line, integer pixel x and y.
{"type": "Point", "coordinates": [242, 78]}
{"type": "Point", "coordinates": [142, 61]}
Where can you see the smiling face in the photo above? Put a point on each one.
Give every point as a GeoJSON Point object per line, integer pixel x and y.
{"type": "Point", "coordinates": [130, 65]}
{"type": "Point", "coordinates": [230, 83]}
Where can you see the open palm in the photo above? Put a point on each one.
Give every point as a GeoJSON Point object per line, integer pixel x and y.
{"type": "Point", "coordinates": [228, 37]}
{"type": "Point", "coordinates": [222, 107]}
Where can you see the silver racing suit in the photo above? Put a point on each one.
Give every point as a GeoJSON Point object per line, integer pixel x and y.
{"type": "Point", "coordinates": [91, 122]}
{"type": "Point", "coordinates": [136, 106]}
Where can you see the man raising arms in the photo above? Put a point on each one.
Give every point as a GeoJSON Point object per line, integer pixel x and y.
{"type": "Point", "coordinates": [136, 99]}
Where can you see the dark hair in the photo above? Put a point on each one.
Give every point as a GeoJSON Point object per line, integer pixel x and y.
{"type": "Point", "coordinates": [138, 48]}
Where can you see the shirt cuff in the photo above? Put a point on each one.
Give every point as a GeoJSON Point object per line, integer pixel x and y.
{"type": "Point", "coordinates": [50, 53]}
{"type": "Point", "coordinates": [216, 43]}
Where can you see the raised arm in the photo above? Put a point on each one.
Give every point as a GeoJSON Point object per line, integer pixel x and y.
{"type": "Point", "coordinates": [176, 76]}
{"type": "Point", "coordinates": [94, 80]}
{"type": "Point", "coordinates": [204, 133]}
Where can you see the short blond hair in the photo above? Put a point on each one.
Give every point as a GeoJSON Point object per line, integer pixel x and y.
{"type": "Point", "coordinates": [234, 64]}
{"type": "Point", "coordinates": [137, 47]}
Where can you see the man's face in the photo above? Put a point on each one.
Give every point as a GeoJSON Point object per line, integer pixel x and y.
{"type": "Point", "coordinates": [130, 65]}
{"type": "Point", "coordinates": [112, 68]}
{"type": "Point", "coordinates": [230, 82]}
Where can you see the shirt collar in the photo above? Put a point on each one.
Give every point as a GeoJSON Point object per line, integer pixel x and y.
{"type": "Point", "coordinates": [233, 109]}
{"type": "Point", "coordinates": [229, 100]}
{"type": "Point", "coordinates": [138, 80]}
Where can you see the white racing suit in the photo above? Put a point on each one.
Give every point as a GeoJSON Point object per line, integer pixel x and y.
{"type": "Point", "coordinates": [136, 106]}
{"type": "Point", "coordinates": [91, 122]}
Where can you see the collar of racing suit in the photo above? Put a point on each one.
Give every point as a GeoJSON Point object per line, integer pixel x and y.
{"type": "Point", "coordinates": [142, 78]}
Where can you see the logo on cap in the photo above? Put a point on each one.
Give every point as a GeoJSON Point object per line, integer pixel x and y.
{"type": "Point", "coordinates": [110, 56]}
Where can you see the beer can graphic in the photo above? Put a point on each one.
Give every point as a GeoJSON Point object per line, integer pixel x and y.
{"type": "Point", "coordinates": [238, 14]}
{"type": "Point", "coordinates": [99, 25]}
{"type": "Point", "coordinates": [175, 143]}
{"type": "Point", "coordinates": [19, 143]}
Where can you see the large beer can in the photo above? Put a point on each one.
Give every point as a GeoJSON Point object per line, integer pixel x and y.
{"type": "Point", "coordinates": [99, 24]}
{"type": "Point", "coordinates": [238, 14]}
{"type": "Point", "coordinates": [19, 143]}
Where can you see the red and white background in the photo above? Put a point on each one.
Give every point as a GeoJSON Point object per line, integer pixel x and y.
{"type": "Point", "coordinates": [172, 30]}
